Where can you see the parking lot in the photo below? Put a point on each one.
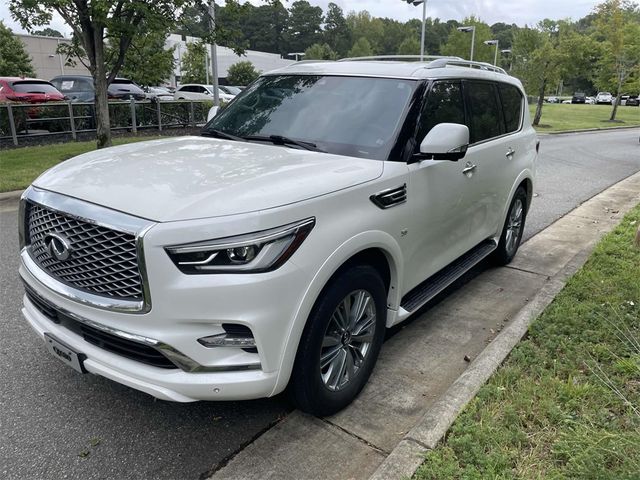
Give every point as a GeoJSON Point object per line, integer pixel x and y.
{"type": "Point", "coordinates": [55, 423]}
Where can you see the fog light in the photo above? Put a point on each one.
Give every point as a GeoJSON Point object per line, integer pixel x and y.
{"type": "Point", "coordinates": [227, 340]}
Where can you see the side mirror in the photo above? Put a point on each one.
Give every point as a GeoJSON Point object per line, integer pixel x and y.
{"type": "Point", "coordinates": [213, 111]}
{"type": "Point", "coordinates": [445, 141]}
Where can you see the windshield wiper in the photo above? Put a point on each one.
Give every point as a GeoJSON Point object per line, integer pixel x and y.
{"type": "Point", "coordinates": [282, 140]}
{"type": "Point", "coordinates": [220, 134]}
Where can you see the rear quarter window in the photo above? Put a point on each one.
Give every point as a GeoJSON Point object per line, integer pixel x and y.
{"type": "Point", "coordinates": [511, 106]}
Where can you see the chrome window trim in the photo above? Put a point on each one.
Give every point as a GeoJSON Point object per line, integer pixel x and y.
{"type": "Point", "coordinates": [97, 215]}
{"type": "Point", "coordinates": [178, 358]}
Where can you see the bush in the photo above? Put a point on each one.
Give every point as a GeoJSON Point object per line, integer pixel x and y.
{"type": "Point", "coordinates": [242, 73]}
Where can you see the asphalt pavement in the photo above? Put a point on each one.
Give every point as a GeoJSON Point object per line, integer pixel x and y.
{"type": "Point", "coordinates": [55, 423]}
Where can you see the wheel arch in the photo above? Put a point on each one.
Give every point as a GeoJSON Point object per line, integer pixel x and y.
{"type": "Point", "coordinates": [378, 249]}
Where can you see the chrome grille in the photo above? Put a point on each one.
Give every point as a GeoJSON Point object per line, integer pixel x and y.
{"type": "Point", "coordinates": [103, 261]}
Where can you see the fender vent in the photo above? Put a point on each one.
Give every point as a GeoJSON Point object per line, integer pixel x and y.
{"type": "Point", "coordinates": [390, 198]}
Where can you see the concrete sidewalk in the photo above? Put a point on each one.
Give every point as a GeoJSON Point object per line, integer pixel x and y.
{"type": "Point", "coordinates": [430, 369]}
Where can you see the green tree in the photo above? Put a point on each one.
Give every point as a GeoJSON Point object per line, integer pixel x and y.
{"type": "Point", "coordinates": [194, 63]}
{"type": "Point", "coordinates": [48, 32]}
{"type": "Point", "coordinates": [363, 25]}
{"type": "Point", "coordinates": [617, 28]}
{"type": "Point", "coordinates": [361, 48]}
{"type": "Point", "coordinates": [242, 73]}
{"type": "Point", "coordinates": [304, 27]}
{"type": "Point", "coordinates": [459, 43]}
{"type": "Point", "coordinates": [265, 27]}
{"type": "Point", "coordinates": [409, 46]}
{"type": "Point", "coordinates": [320, 52]}
{"type": "Point", "coordinates": [336, 30]}
{"type": "Point", "coordinates": [147, 62]}
{"type": "Point", "coordinates": [14, 60]}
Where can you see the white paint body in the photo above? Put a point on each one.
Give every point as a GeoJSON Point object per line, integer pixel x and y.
{"type": "Point", "coordinates": [195, 189]}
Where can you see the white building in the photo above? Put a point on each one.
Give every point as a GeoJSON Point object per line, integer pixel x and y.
{"type": "Point", "coordinates": [48, 64]}
{"type": "Point", "coordinates": [262, 61]}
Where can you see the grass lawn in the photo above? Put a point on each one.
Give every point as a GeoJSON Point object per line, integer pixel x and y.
{"type": "Point", "coordinates": [557, 117]}
{"type": "Point", "coordinates": [20, 166]}
{"type": "Point", "coordinates": [566, 402]}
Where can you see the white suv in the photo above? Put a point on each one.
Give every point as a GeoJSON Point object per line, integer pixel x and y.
{"type": "Point", "coordinates": [604, 98]}
{"type": "Point", "coordinates": [196, 91]}
{"type": "Point", "coordinates": [327, 202]}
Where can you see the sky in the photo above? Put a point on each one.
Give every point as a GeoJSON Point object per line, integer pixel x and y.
{"type": "Point", "coordinates": [520, 12]}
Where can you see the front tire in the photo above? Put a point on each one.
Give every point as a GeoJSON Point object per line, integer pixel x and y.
{"type": "Point", "coordinates": [340, 343]}
{"type": "Point", "coordinates": [512, 230]}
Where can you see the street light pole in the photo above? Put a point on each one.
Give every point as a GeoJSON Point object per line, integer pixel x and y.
{"type": "Point", "coordinates": [495, 56]}
{"type": "Point", "coordinates": [415, 3]}
{"type": "Point", "coordinates": [471, 29]}
{"type": "Point", "coordinates": [214, 56]}
{"type": "Point", "coordinates": [424, 24]}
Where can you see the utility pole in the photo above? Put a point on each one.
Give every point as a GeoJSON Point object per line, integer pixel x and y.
{"type": "Point", "coordinates": [214, 56]}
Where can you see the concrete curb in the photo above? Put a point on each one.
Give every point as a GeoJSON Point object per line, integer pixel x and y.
{"type": "Point", "coordinates": [13, 195]}
{"type": "Point", "coordinates": [408, 455]}
{"type": "Point", "coordinates": [586, 130]}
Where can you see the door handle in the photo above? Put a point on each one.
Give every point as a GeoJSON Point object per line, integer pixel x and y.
{"type": "Point", "coordinates": [469, 169]}
{"type": "Point", "coordinates": [510, 153]}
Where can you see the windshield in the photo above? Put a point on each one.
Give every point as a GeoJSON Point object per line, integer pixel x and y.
{"type": "Point", "coordinates": [34, 87]}
{"type": "Point", "coordinates": [355, 116]}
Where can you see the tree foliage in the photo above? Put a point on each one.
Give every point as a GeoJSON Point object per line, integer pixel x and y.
{"type": "Point", "coordinates": [362, 48]}
{"type": "Point", "coordinates": [242, 73]}
{"type": "Point", "coordinates": [148, 62]}
{"type": "Point", "coordinates": [194, 63]}
{"type": "Point", "coordinates": [14, 60]}
{"type": "Point", "coordinates": [459, 43]}
{"type": "Point", "coordinates": [48, 32]}
{"type": "Point", "coordinates": [304, 26]}
{"type": "Point", "coordinates": [320, 52]}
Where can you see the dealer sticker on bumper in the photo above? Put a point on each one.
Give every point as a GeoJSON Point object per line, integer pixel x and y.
{"type": "Point", "coordinates": [64, 353]}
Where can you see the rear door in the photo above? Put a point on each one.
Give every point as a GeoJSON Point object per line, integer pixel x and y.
{"type": "Point", "coordinates": [495, 122]}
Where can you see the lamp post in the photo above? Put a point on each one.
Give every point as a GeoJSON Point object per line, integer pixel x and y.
{"type": "Point", "coordinates": [214, 56]}
{"type": "Point", "coordinates": [471, 29]}
{"type": "Point", "coordinates": [424, 22]}
{"type": "Point", "coordinates": [507, 51]}
{"type": "Point", "coordinates": [495, 56]}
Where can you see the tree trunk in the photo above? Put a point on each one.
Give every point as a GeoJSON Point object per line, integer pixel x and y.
{"type": "Point", "coordinates": [538, 115]}
{"type": "Point", "coordinates": [614, 111]}
{"type": "Point", "coordinates": [103, 124]}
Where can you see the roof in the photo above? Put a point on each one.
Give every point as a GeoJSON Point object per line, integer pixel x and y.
{"type": "Point", "coordinates": [437, 68]}
{"type": "Point", "coordinates": [22, 79]}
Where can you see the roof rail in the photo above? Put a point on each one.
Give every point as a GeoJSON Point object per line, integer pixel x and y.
{"type": "Point", "coordinates": [427, 58]}
{"type": "Point", "coordinates": [443, 62]}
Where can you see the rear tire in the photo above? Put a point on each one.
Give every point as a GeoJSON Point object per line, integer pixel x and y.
{"type": "Point", "coordinates": [341, 342]}
{"type": "Point", "coordinates": [513, 228]}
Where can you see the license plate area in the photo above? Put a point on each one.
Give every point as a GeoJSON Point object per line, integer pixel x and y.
{"type": "Point", "coordinates": [64, 353]}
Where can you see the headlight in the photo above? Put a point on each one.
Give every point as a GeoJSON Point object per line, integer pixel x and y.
{"type": "Point", "coordinates": [250, 253]}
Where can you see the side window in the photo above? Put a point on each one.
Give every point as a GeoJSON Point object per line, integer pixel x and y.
{"type": "Point", "coordinates": [511, 106]}
{"type": "Point", "coordinates": [444, 105]}
{"type": "Point", "coordinates": [486, 117]}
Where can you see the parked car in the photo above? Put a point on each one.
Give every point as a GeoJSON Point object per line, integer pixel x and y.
{"type": "Point", "coordinates": [578, 97]}
{"type": "Point", "coordinates": [230, 90]}
{"type": "Point", "coordinates": [604, 98]}
{"type": "Point", "coordinates": [80, 88]}
{"type": "Point", "coordinates": [566, 102]}
{"type": "Point", "coordinates": [328, 202]}
{"type": "Point", "coordinates": [194, 91]}
{"type": "Point", "coordinates": [590, 100]}
{"type": "Point", "coordinates": [158, 93]}
{"type": "Point", "coordinates": [553, 100]}
{"type": "Point", "coordinates": [28, 90]}
{"type": "Point", "coordinates": [633, 101]}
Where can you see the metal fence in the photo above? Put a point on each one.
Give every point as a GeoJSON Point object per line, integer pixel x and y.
{"type": "Point", "coordinates": [21, 121]}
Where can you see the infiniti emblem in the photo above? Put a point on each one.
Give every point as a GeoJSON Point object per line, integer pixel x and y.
{"type": "Point", "coordinates": [57, 246]}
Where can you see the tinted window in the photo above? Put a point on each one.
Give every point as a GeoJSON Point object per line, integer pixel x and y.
{"type": "Point", "coordinates": [486, 118]}
{"type": "Point", "coordinates": [444, 105]}
{"type": "Point", "coordinates": [355, 116]}
{"type": "Point", "coordinates": [512, 106]}
{"type": "Point", "coordinates": [31, 86]}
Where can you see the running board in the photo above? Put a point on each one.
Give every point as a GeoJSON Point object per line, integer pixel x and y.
{"type": "Point", "coordinates": [435, 284]}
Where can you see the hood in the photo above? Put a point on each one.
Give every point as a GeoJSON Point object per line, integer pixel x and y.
{"type": "Point", "coordinates": [197, 177]}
